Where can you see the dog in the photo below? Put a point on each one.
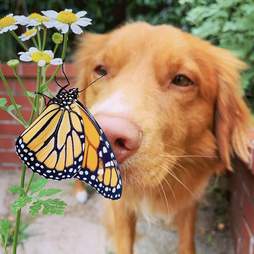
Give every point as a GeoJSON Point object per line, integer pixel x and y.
{"type": "Point", "coordinates": [171, 106]}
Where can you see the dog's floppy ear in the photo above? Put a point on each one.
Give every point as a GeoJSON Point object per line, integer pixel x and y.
{"type": "Point", "coordinates": [232, 117]}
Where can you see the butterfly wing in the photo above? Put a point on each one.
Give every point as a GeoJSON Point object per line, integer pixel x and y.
{"type": "Point", "coordinates": [99, 168]}
{"type": "Point", "coordinates": [53, 145]}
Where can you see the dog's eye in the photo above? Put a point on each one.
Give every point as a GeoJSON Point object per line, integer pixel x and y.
{"type": "Point", "coordinates": [182, 80]}
{"type": "Point", "coordinates": [101, 70]}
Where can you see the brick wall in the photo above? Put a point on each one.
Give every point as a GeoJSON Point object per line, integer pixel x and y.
{"type": "Point", "coordinates": [242, 209]}
{"type": "Point", "coordinates": [9, 128]}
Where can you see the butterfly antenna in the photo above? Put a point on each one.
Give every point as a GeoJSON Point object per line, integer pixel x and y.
{"type": "Point", "coordinates": [58, 83]}
{"type": "Point", "coordinates": [68, 82]}
{"type": "Point", "coordinates": [91, 83]}
{"type": "Point", "coordinates": [44, 97]}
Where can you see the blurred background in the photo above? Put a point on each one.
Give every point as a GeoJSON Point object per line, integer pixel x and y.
{"type": "Point", "coordinates": [226, 23]}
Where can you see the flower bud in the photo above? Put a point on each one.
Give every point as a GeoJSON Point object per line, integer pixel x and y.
{"type": "Point", "coordinates": [57, 38]}
{"type": "Point", "coordinates": [13, 63]}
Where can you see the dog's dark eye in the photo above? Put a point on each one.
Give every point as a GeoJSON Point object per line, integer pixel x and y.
{"type": "Point", "coordinates": [101, 70]}
{"type": "Point", "coordinates": [182, 80]}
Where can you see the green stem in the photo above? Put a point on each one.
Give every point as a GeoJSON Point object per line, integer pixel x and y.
{"type": "Point", "coordinates": [44, 38]}
{"type": "Point", "coordinates": [65, 42]}
{"type": "Point", "coordinates": [10, 94]}
{"type": "Point", "coordinates": [36, 98]}
{"type": "Point", "coordinates": [29, 183]}
{"type": "Point", "coordinates": [34, 42]}
{"type": "Point", "coordinates": [39, 39]}
{"type": "Point", "coordinates": [38, 86]}
{"type": "Point", "coordinates": [17, 119]}
{"type": "Point", "coordinates": [22, 85]}
{"type": "Point", "coordinates": [18, 40]}
{"type": "Point", "coordinates": [55, 48]}
{"type": "Point", "coordinates": [18, 215]}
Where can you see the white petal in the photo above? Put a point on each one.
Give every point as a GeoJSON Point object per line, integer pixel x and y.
{"type": "Point", "coordinates": [32, 49]}
{"type": "Point", "coordinates": [21, 19]}
{"type": "Point", "coordinates": [50, 52]}
{"type": "Point", "coordinates": [84, 22]}
{"type": "Point", "coordinates": [41, 63]}
{"type": "Point", "coordinates": [81, 13]}
{"type": "Point", "coordinates": [58, 23]}
{"type": "Point", "coordinates": [49, 24]}
{"type": "Point", "coordinates": [23, 38]}
{"type": "Point", "coordinates": [32, 22]}
{"type": "Point", "coordinates": [25, 57]}
{"type": "Point", "coordinates": [76, 29]}
{"type": "Point", "coordinates": [63, 27]}
{"type": "Point", "coordinates": [11, 28]}
{"type": "Point", "coordinates": [57, 61]}
{"type": "Point", "coordinates": [69, 10]}
{"type": "Point", "coordinates": [6, 29]}
{"type": "Point", "coordinates": [50, 14]}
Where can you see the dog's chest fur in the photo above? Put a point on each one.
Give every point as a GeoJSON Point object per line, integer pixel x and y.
{"type": "Point", "coordinates": [151, 215]}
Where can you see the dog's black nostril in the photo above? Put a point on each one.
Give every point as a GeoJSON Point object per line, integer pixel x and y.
{"type": "Point", "coordinates": [120, 142]}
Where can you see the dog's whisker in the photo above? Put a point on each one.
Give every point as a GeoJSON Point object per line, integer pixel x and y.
{"type": "Point", "coordinates": [164, 194]}
{"type": "Point", "coordinates": [178, 180]}
{"type": "Point", "coordinates": [171, 188]}
{"type": "Point", "coordinates": [190, 156]}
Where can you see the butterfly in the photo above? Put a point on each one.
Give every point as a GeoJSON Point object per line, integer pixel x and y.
{"type": "Point", "coordinates": [65, 141]}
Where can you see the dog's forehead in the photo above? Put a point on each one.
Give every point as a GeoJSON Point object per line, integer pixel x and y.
{"type": "Point", "coordinates": [145, 33]}
{"type": "Point", "coordinates": [145, 39]}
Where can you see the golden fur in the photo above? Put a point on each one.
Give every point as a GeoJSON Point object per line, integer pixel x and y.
{"type": "Point", "coordinates": [189, 133]}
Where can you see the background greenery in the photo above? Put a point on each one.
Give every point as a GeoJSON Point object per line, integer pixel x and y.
{"type": "Point", "coordinates": [226, 23]}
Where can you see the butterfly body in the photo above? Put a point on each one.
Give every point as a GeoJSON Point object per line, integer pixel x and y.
{"type": "Point", "coordinates": [65, 141]}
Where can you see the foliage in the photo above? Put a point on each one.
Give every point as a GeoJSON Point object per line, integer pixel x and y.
{"type": "Point", "coordinates": [36, 199]}
{"type": "Point", "coordinates": [228, 24]}
{"type": "Point", "coordinates": [7, 230]}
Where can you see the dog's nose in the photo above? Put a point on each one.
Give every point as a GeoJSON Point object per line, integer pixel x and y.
{"type": "Point", "coordinates": [125, 137]}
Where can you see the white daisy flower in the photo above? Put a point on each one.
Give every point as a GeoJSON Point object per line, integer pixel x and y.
{"type": "Point", "coordinates": [65, 20]}
{"type": "Point", "coordinates": [34, 19]}
{"type": "Point", "coordinates": [10, 22]}
{"type": "Point", "coordinates": [29, 33]}
{"type": "Point", "coordinates": [41, 57]}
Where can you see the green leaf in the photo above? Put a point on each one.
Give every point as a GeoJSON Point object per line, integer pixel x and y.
{"type": "Point", "coordinates": [49, 192]}
{"type": "Point", "coordinates": [35, 208]}
{"type": "Point", "coordinates": [30, 94]}
{"type": "Point", "coordinates": [3, 102]}
{"type": "Point", "coordinates": [20, 203]}
{"type": "Point", "coordinates": [5, 227]}
{"type": "Point", "coordinates": [15, 189]}
{"type": "Point", "coordinates": [38, 185]}
{"type": "Point", "coordinates": [12, 107]}
{"type": "Point", "coordinates": [23, 235]}
{"type": "Point", "coordinates": [43, 88]}
{"type": "Point", "coordinates": [53, 206]}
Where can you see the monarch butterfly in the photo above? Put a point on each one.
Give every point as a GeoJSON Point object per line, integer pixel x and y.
{"type": "Point", "coordinates": [65, 141]}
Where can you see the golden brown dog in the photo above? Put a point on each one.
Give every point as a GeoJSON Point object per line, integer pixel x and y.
{"type": "Point", "coordinates": [171, 106]}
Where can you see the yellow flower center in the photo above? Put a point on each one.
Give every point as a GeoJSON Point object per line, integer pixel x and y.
{"type": "Point", "coordinates": [30, 32]}
{"type": "Point", "coordinates": [38, 17]}
{"type": "Point", "coordinates": [40, 55]}
{"type": "Point", "coordinates": [7, 21]}
{"type": "Point", "coordinates": [66, 17]}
